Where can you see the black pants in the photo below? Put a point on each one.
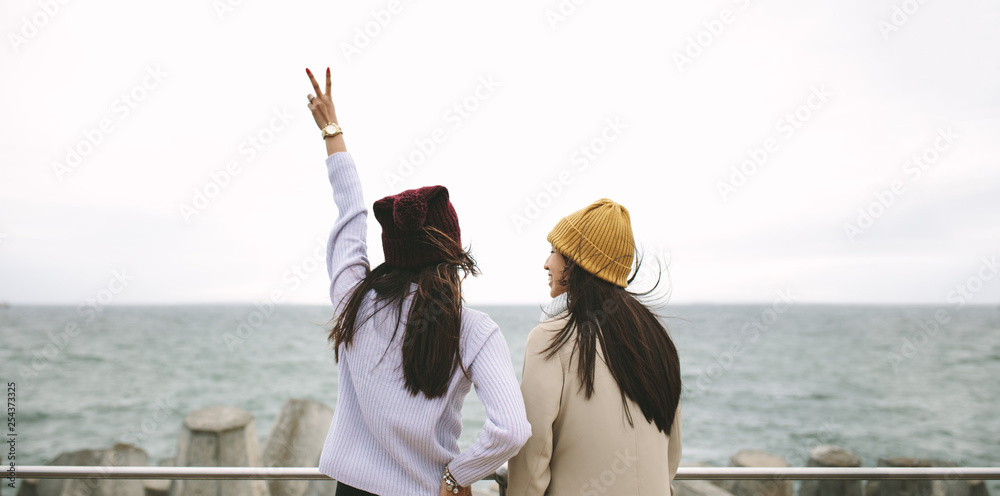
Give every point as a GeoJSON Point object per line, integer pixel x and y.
{"type": "Point", "coordinates": [345, 490]}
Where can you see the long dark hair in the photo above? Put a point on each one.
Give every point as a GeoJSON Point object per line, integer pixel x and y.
{"type": "Point", "coordinates": [432, 334]}
{"type": "Point", "coordinates": [635, 345]}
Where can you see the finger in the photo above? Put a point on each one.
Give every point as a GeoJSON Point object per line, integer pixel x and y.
{"type": "Point", "coordinates": [313, 81]}
{"type": "Point", "coordinates": [328, 81]}
{"type": "Point", "coordinates": [310, 97]}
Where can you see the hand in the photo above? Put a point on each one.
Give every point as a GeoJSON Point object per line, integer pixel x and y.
{"type": "Point", "coordinates": [462, 491]}
{"type": "Point", "coordinates": [321, 104]}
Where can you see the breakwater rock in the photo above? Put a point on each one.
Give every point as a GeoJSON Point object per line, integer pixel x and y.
{"type": "Point", "coordinates": [120, 455]}
{"type": "Point", "coordinates": [831, 456]}
{"type": "Point", "coordinates": [159, 487]}
{"type": "Point", "coordinates": [296, 440]}
{"type": "Point", "coordinates": [218, 436]}
{"type": "Point", "coordinates": [956, 487]}
{"type": "Point", "coordinates": [757, 458]}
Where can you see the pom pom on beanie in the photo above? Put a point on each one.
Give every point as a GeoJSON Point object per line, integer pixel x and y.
{"type": "Point", "coordinates": [409, 211]}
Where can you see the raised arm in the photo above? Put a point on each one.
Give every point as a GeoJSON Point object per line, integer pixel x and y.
{"type": "Point", "coordinates": [347, 250]}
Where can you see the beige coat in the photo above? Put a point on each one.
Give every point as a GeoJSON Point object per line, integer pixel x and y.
{"type": "Point", "coordinates": [586, 447]}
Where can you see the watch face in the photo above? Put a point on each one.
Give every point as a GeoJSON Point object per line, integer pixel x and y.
{"type": "Point", "coordinates": [330, 129]}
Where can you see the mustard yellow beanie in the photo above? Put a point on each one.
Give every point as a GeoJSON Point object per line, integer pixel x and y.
{"type": "Point", "coordinates": [598, 238]}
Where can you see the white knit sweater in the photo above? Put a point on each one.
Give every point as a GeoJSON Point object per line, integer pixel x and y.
{"type": "Point", "coordinates": [382, 439]}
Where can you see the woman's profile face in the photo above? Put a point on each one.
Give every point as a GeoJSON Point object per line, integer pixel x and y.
{"type": "Point", "coordinates": [555, 264]}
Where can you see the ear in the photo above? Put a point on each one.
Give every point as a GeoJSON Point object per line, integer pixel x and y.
{"type": "Point", "coordinates": [383, 210]}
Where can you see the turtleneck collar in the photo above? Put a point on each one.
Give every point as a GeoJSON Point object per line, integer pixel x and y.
{"type": "Point", "coordinates": [555, 307]}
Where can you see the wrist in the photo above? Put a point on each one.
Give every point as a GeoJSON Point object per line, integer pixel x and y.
{"type": "Point", "coordinates": [449, 481]}
{"type": "Point", "coordinates": [335, 144]}
{"type": "Point", "coordinates": [331, 130]}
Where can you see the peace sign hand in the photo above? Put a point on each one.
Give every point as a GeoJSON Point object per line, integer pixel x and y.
{"type": "Point", "coordinates": [321, 104]}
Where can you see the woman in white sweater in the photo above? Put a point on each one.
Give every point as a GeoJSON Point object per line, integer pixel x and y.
{"type": "Point", "coordinates": [601, 379]}
{"type": "Point", "coordinates": [407, 349]}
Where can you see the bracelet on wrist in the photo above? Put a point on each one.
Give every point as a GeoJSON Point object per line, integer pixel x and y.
{"type": "Point", "coordinates": [450, 481]}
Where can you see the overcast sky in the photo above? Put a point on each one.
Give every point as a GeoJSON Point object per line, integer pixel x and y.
{"type": "Point", "coordinates": [840, 150]}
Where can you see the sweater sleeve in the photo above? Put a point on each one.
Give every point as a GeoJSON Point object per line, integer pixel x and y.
{"type": "Point", "coordinates": [506, 427]}
{"type": "Point", "coordinates": [347, 250]}
{"type": "Point", "coordinates": [541, 385]}
{"type": "Point", "coordinates": [674, 447]}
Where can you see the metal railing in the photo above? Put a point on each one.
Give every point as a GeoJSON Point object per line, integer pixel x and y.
{"type": "Point", "coordinates": [683, 473]}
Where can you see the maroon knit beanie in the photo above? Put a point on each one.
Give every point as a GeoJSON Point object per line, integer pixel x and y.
{"type": "Point", "coordinates": [403, 216]}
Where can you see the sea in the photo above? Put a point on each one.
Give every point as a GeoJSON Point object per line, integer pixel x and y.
{"type": "Point", "coordinates": [880, 381]}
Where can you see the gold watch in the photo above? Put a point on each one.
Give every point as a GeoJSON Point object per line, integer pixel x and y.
{"type": "Point", "coordinates": [332, 129]}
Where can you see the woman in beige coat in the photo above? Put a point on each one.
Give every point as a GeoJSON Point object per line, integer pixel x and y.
{"type": "Point", "coordinates": [601, 379]}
